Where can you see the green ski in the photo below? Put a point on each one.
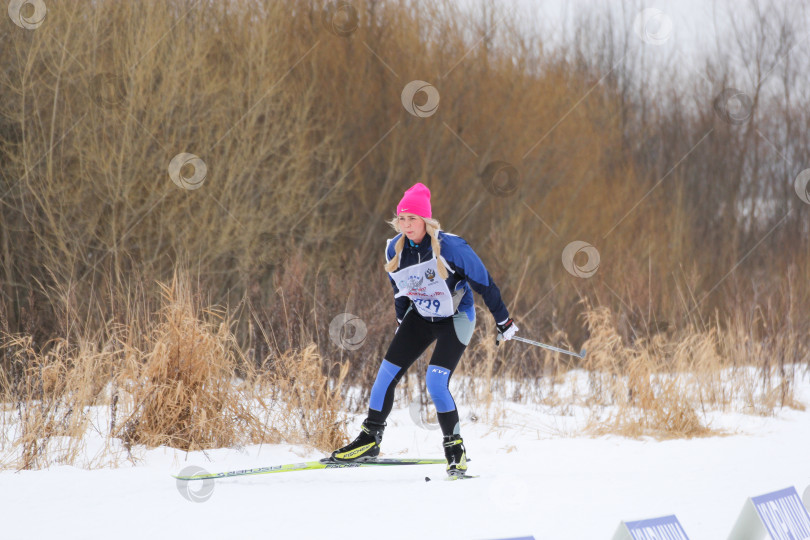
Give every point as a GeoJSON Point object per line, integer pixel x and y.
{"type": "Point", "coordinates": [325, 463]}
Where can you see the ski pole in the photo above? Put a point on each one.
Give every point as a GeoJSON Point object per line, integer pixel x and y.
{"type": "Point", "coordinates": [549, 347]}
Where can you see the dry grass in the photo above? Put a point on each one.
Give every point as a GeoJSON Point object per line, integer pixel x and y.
{"type": "Point", "coordinates": [645, 385]}
{"type": "Point", "coordinates": [45, 399]}
{"type": "Point", "coordinates": [191, 388]}
{"type": "Point", "coordinates": [664, 386]}
{"type": "Point", "coordinates": [184, 391]}
{"type": "Point", "coordinates": [305, 401]}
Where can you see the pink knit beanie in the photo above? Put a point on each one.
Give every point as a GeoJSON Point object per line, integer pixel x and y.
{"type": "Point", "coordinates": [416, 201]}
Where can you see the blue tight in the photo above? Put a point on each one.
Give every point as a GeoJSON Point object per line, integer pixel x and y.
{"type": "Point", "coordinates": [415, 334]}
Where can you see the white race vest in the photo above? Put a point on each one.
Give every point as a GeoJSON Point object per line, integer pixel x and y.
{"type": "Point", "coordinates": [426, 289]}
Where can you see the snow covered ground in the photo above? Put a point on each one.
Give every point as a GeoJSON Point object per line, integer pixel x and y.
{"type": "Point", "coordinates": [535, 480]}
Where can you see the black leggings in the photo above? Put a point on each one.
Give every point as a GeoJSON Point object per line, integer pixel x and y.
{"type": "Point", "coordinates": [414, 335]}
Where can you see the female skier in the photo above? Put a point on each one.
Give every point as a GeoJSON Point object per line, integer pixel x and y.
{"type": "Point", "coordinates": [432, 273]}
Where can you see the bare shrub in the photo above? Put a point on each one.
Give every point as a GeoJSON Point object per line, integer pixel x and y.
{"type": "Point", "coordinates": [184, 391]}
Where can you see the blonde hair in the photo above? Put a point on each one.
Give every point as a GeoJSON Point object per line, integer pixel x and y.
{"type": "Point", "coordinates": [432, 227]}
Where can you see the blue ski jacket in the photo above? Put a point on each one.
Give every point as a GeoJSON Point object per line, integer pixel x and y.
{"type": "Point", "coordinates": [466, 274]}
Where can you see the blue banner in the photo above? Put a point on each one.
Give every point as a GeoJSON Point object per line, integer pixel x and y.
{"type": "Point", "coordinates": [783, 514]}
{"type": "Point", "coordinates": [662, 528]}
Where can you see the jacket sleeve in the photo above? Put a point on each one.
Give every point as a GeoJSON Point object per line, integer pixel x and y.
{"type": "Point", "coordinates": [466, 262]}
{"type": "Point", "coordinates": [400, 304]}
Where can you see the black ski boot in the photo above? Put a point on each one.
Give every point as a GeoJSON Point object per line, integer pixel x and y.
{"type": "Point", "coordinates": [365, 447]}
{"type": "Point", "coordinates": [456, 455]}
